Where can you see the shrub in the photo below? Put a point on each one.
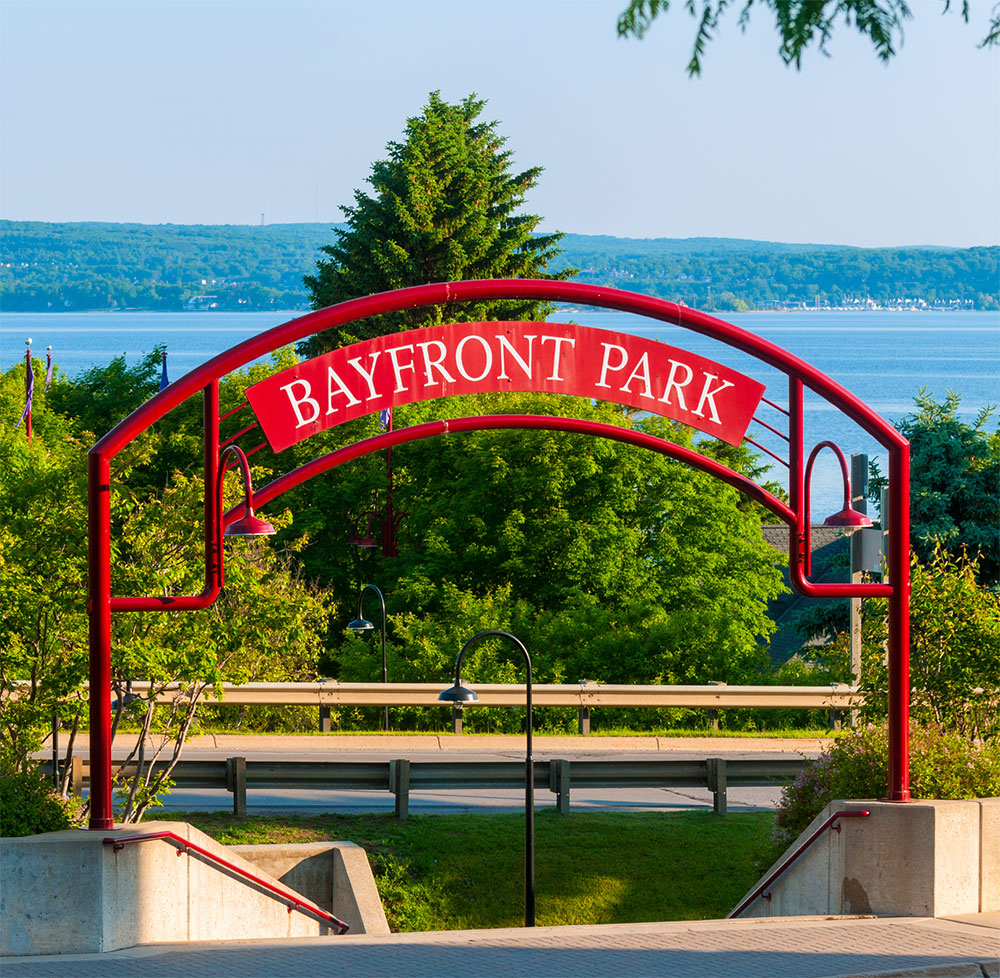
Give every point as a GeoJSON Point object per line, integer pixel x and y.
{"type": "Point", "coordinates": [943, 764]}
{"type": "Point", "coordinates": [29, 806]}
{"type": "Point", "coordinates": [954, 649]}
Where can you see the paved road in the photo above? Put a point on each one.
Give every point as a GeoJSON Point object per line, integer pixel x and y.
{"type": "Point", "coordinates": [961, 947]}
{"type": "Point", "coordinates": [263, 801]}
{"type": "Point", "coordinates": [469, 748]}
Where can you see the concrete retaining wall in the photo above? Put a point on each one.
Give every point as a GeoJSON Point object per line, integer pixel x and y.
{"type": "Point", "coordinates": [67, 892]}
{"type": "Point", "coordinates": [919, 858]}
{"type": "Point", "coordinates": [334, 875]}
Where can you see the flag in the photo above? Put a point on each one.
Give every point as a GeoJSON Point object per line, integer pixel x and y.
{"type": "Point", "coordinates": [385, 418]}
{"type": "Point", "coordinates": [164, 380]}
{"type": "Point", "coordinates": [48, 369]}
{"type": "Point", "coordinates": [29, 393]}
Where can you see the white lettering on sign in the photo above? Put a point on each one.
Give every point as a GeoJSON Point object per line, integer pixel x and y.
{"type": "Point", "coordinates": [431, 365]}
{"type": "Point", "coordinates": [368, 375]}
{"type": "Point", "coordinates": [334, 385]}
{"type": "Point", "coordinates": [708, 397]}
{"type": "Point", "coordinates": [677, 385]}
{"type": "Point", "coordinates": [460, 361]}
{"type": "Point", "coordinates": [474, 358]}
{"type": "Point", "coordinates": [297, 402]}
{"type": "Point", "coordinates": [642, 372]}
{"type": "Point", "coordinates": [507, 346]}
{"type": "Point", "coordinates": [397, 367]}
{"type": "Point", "coordinates": [606, 362]}
{"type": "Point", "coordinates": [557, 352]}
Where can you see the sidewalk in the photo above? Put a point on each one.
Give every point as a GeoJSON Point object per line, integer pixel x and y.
{"type": "Point", "coordinates": [801, 947]}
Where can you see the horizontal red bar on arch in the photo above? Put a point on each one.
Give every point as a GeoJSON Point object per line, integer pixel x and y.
{"type": "Point", "coordinates": [477, 358]}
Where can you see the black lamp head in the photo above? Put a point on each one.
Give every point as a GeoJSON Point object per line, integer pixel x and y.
{"type": "Point", "coordinates": [458, 694]}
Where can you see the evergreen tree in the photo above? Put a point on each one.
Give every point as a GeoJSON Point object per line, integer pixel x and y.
{"type": "Point", "coordinates": [443, 210]}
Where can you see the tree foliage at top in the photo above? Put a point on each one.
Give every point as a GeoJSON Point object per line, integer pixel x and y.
{"type": "Point", "coordinates": [800, 23]}
{"type": "Point", "coordinates": [444, 209]}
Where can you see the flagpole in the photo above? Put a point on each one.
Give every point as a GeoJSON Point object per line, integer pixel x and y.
{"type": "Point", "coordinates": [29, 387]}
{"type": "Point", "coordinates": [389, 526]}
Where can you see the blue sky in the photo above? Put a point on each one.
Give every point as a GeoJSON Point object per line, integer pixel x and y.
{"type": "Point", "coordinates": [219, 112]}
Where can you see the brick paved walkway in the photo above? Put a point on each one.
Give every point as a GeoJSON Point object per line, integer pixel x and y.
{"type": "Point", "coordinates": [960, 947]}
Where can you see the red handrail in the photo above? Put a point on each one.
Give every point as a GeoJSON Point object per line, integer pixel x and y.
{"type": "Point", "coordinates": [183, 846]}
{"type": "Point", "coordinates": [759, 889]}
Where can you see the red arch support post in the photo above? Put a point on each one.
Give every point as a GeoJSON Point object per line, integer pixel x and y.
{"type": "Point", "coordinates": [651, 376]}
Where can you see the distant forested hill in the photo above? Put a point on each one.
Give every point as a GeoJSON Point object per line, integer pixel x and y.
{"type": "Point", "coordinates": [46, 267]}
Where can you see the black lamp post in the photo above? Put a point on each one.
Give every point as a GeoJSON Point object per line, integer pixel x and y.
{"type": "Point", "coordinates": [462, 694]}
{"type": "Point", "coordinates": [362, 624]}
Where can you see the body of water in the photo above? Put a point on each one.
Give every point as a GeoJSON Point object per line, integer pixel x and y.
{"type": "Point", "coordinates": [884, 358]}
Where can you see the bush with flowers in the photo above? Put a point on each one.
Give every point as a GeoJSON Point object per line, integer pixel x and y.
{"type": "Point", "coordinates": [943, 764]}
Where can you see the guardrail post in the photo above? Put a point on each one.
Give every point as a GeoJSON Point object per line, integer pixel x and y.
{"type": "Point", "coordinates": [713, 715]}
{"type": "Point", "coordinates": [836, 719]}
{"type": "Point", "coordinates": [399, 785]}
{"type": "Point", "coordinates": [324, 719]}
{"type": "Point", "coordinates": [716, 769]}
{"type": "Point", "coordinates": [76, 778]}
{"type": "Point", "coordinates": [559, 784]}
{"type": "Point", "coordinates": [583, 722]}
{"type": "Point", "coordinates": [456, 718]}
{"type": "Point", "coordinates": [236, 782]}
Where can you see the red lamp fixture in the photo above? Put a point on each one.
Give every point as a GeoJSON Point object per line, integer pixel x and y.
{"type": "Point", "coordinates": [247, 525]}
{"type": "Point", "coordinates": [848, 516]}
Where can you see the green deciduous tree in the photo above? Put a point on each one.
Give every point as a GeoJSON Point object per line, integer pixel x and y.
{"type": "Point", "coordinates": [800, 23]}
{"type": "Point", "coordinates": [954, 479]}
{"type": "Point", "coordinates": [444, 208]}
{"type": "Point", "coordinates": [43, 572]}
{"type": "Point", "coordinates": [613, 563]}
{"type": "Point", "coordinates": [268, 625]}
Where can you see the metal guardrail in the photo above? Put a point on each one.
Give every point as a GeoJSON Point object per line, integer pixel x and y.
{"type": "Point", "coordinates": [239, 775]}
{"type": "Point", "coordinates": [583, 696]}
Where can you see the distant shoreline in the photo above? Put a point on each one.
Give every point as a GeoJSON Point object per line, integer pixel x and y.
{"type": "Point", "coordinates": [177, 268]}
{"type": "Point", "coordinates": [560, 309]}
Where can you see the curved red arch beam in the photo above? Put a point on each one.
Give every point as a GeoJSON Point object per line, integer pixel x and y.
{"type": "Point", "coordinates": [445, 293]}
{"type": "Point", "coordinates": [597, 429]}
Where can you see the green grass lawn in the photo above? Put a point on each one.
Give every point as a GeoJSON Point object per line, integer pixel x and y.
{"type": "Point", "coordinates": [456, 872]}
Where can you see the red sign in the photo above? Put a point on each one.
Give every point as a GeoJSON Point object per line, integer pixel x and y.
{"type": "Point", "coordinates": [475, 358]}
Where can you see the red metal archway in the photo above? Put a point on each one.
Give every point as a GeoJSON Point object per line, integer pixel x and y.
{"type": "Point", "coordinates": [205, 379]}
